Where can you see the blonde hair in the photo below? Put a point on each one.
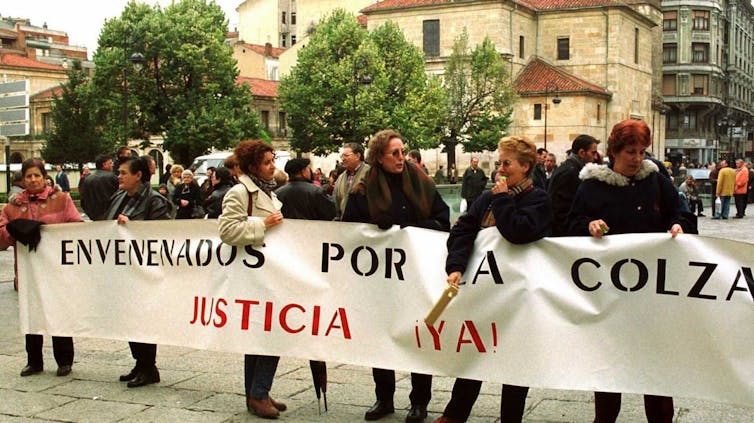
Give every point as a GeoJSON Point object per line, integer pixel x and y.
{"type": "Point", "coordinates": [525, 150]}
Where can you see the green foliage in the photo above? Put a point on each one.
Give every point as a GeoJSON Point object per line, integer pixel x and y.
{"type": "Point", "coordinates": [349, 83]}
{"type": "Point", "coordinates": [480, 95]}
{"type": "Point", "coordinates": [186, 90]}
{"type": "Point", "coordinates": [76, 137]}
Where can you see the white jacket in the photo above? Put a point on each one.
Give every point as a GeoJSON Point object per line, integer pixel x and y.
{"type": "Point", "coordinates": [236, 226]}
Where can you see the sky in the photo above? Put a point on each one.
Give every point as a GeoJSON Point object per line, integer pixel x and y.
{"type": "Point", "coordinates": [83, 19]}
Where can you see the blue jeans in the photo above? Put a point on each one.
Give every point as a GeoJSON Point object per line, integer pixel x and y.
{"type": "Point", "coordinates": [258, 372]}
{"type": "Point", "coordinates": [724, 206]}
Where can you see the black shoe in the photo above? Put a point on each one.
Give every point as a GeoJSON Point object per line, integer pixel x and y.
{"type": "Point", "coordinates": [379, 410]}
{"type": "Point", "coordinates": [700, 214]}
{"type": "Point", "coordinates": [64, 370]}
{"type": "Point", "coordinates": [30, 370]}
{"type": "Point", "coordinates": [416, 414]}
{"type": "Point", "coordinates": [129, 376]}
{"type": "Point", "coordinates": [145, 377]}
{"type": "Point", "coordinates": [738, 217]}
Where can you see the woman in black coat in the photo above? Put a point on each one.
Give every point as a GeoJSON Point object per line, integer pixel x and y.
{"type": "Point", "coordinates": [186, 196]}
{"type": "Point", "coordinates": [627, 196]}
{"type": "Point", "coordinates": [521, 212]}
{"type": "Point", "coordinates": [396, 192]}
{"type": "Point", "coordinates": [222, 181]}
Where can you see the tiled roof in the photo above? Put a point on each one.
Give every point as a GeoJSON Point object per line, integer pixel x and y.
{"type": "Point", "coordinates": [539, 75]}
{"type": "Point", "coordinates": [24, 62]}
{"type": "Point", "coordinates": [531, 4]}
{"type": "Point", "coordinates": [260, 87]}
{"type": "Point", "coordinates": [56, 91]}
{"type": "Point", "coordinates": [362, 20]}
{"type": "Point", "coordinates": [274, 51]}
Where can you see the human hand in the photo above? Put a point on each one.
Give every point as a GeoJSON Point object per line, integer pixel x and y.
{"type": "Point", "coordinates": [184, 203]}
{"type": "Point", "coordinates": [675, 230]}
{"type": "Point", "coordinates": [598, 228]}
{"type": "Point", "coordinates": [123, 219]}
{"type": "Point", "coordinates": [273, 219]}
{"type": "Point", "coordinates": [454, 278]}
{"type": "Point", "coordinates": [501, 185]}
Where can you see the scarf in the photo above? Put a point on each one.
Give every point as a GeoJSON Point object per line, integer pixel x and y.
{"type": "Point", "coordinates": [416, 185]}
{"type": "Point", "coordinates": [265, 186]}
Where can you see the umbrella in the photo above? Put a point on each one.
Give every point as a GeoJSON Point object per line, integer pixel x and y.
{"type": "Point", "coordinates": [319, 376]}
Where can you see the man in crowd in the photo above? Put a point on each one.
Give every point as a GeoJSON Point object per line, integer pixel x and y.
{"type": "Point", "coordinates": [690, 189]}
{"type": "Point", "coordinates": [474, 182]}
{"type": "Point", "coordinates": [550, 164]}
{"type": "Point", "coordinates": [121, 156]}
{"type": "Point", "coordinates": [300, 197]}
{"type": "Point", "coordinates": [713, 182]}
{"type": "Point", "coordinates": [742, 187]}
{"type": "Point", "coordinates": [440, 176]}
{"type": "Point", "coordinates": [538, 176]}
{"type": "Point", "coordinates": [726, 184]}
{"type": "Point", "coordinates": [416, 157]}
{"type": "Point", "coordinates": [565, 181]}
{"type": "Point", "coordinates": [61, 179]}
{"type": "Point", "coordinates": [98, 188]}
{"type": "Point", "coordinates": [355, 170]}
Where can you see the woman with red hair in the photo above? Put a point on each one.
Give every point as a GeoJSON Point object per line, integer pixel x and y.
{"type": "Point", "coordinates": [628, 195]}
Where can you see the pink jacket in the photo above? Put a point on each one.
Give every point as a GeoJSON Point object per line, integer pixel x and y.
{"type": "Point", "coordinates": [49, 206]}
{"type": "Point", "coordinates": [742, 181]}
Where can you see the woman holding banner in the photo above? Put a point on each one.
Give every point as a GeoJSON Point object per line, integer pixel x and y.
{"type": "Point", "coordinates": [136, 200]}
{"type": "Point", "coordinates": [626, 196]}
{"type": "Point", "coordinates": [521, 213]}
{"type": "Point", "coordinates": [396, 192]}
{"type": "Point", "coordinates": [35, 205]}
{"type": "Point", "coordinates": [253, 196]}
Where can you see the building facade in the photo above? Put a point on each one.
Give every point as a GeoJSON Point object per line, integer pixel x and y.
{"type": "Point", "coordinates": [708, 79]}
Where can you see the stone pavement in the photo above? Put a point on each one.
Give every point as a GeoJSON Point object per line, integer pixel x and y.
{"type": "Point", "coordinates": [207, 386]}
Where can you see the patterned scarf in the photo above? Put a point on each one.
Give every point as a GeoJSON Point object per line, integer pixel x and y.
{"type": "Point", "coordinates": [488, 219]}
{"type": "Point", "coordinates": [265, 186]}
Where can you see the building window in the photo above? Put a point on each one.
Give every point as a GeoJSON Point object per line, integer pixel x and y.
{"type": "Point", "coordinates": [265, 115]}
{"type": "Point", "coordinates": [700, 52]}
{"type": "Point", "coordinates": [293, 39]}
{"type": "Point", "coordinates": [293, 18]}
{"type": "Point", "coordinates": [700, 84]}
{"type": "Point", "coordinates": [538, 111]}
{"type": "Point", "coordinates": [46, 123]}
{"type": "Point", "coordinates": [688, 120]}
{"type": "Point", "coordinates": [282, 131]}
{"type": "Point", "coordinates": [282, 19]}
{"type": "Point", "coordinates": [599, 111]}
{"type": "Point", "coordinates": [670, 21]}
{"type": "Point", "coordinates": [669, 53]}
{"type": "Point", "coordinates": [564, 48]}
{"type": "Point", "coordinates": [431, 41]}
{"type": "Point", "coordinates": [668, 85]}
{"type": "Point", "coordinates": [672, 122]}
{"type": "Point", "coordinates": [521, 46]}
{"type": "Point", "coordinates": [282, 40]}
{"type": "Point", "coordinates": [636, 45]}
{"type": "Point", "coordinates": [701, 20]}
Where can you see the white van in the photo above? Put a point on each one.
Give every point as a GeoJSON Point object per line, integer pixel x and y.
{"type": "Point", "coordinates": [216, 160]}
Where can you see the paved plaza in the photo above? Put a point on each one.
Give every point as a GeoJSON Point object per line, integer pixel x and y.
{"type": "Point", "coordinates": [207, 386]}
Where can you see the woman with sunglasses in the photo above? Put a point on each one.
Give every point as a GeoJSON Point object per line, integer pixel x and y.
{"type": "Point", "coordinates": [521, 213]}
{"type": "Point", "coordinates": [396, 192]}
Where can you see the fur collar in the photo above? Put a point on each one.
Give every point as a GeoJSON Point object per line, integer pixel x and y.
{"type": "Point", "coordinates": [609, 176]}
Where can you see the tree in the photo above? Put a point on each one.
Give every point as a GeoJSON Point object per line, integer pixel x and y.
{"type": "Point", "coordinates": [76, 137]}
{"type": "Point", "coordinates": [186, 90]}
{"type": "Point", "coordinates": [349, 83]}
{"type": "Point", "coordinates": [480, 97]}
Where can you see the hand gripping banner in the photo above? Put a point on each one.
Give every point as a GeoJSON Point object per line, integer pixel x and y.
{"type": "Point", "coordinates": [640, 313]}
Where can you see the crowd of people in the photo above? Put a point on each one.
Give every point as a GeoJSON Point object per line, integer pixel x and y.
{"type": "Point", "coordinates": [531, 197]}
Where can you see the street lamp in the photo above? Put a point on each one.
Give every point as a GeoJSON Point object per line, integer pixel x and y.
{"type": "Point", "coordinates": [727, 123]}
{"type": "Point", "coordinates": [363, 80]}
{"type": "Point", "coordinates": [137, 62]}
{"type": "Point", "coordinates": [7, 165]}
{"type": "Point", "coordinates": [549, 88]}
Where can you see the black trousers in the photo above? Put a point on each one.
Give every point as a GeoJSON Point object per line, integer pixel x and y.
{"type": "Point", "coordinates": [144, 354]}
{"type": "Point", "coordinates": [384, 386]}
{"type": "Point", "coordinates": [696, 206]}
{"type": "Point", "coordinates": [607, 407]}
{"type": "Point", "coordinates": [62, 349]}
{"type": "Point", "coordinates": [466, 391]}
{"type": "Point", "coordinates": [740, 200]}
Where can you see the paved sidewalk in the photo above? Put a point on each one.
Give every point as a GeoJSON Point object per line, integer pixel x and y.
{"type": "Point", "coordinates": [207, 386]}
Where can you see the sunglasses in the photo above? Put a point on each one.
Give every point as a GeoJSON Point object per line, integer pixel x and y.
{"type": "Point", "coordinates": [396, 153]}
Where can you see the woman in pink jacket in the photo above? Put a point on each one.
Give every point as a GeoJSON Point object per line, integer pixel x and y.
{"type": "Point", "coordinates": [44, 204]}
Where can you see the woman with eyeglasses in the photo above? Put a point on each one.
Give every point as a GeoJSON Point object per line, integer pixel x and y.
{"type": "Point", "coordinates": [521, 212]}
{"type": "Point", "coordinates": [396, 192]}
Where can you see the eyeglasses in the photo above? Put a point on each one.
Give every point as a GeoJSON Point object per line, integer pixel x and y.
{"type": "Point", "coordinates": [396, 153]}
{"type": "Point", "coordinates": [346, 155]}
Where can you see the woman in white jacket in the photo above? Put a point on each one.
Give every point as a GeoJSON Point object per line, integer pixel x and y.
{"type": "Point", "coordinates": [253, 196]}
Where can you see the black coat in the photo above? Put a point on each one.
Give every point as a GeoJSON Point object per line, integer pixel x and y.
{"type": "Point", "coordinates": [402, 212]}
{"type": "Point", "coordinates": [147, 204]}
{"type": "Point", "coordinates": [304, 200]}
{"type": "Point", "coordinates": [520, 219]}
{"type": "Point", "coordinates": [190, 193]}
{"type": "Point", "coordinates": [213, 205]}
{"type": "Point", "coordinates": [96, 190]}
{"type": "Point", "coordinates": [563, 185]}
{"type": "Point", "coordinates": [648, 202]}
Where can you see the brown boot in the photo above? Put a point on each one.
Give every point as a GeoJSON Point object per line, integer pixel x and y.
{"type": "Point", "coordinates": [279, 405]}
{"type": "Point", "coordinates": [262, 408]}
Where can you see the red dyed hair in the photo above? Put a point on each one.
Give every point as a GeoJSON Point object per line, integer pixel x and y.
{"type": "Point", "coordinates": [628, 132]}
{"type": "Point", "coordinates": [251, 153]}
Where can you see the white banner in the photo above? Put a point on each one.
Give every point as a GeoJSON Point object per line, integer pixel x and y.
{"type": "Point", "coordinates": [639, 313]}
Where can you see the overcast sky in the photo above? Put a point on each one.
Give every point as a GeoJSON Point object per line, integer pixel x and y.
{"type": "Point", "coordinates": [83, 19]}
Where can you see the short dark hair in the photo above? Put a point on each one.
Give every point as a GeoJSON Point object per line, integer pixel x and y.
{"type": "Point", "coordinates": [122, 150]}
{"type": "Point", "coordinates": [582, 142]}
{"type": "Point", "coordinates": [33, 162]}
{"type": "Point", "coordinates": [224, 176]}
{"type": "Point", "coordinates": [541, 150]}
{"type": "Point", "coordinates": [356, 148]}
{"type": "Point", "coordinates": [100, 160]}
{"type": "Point", "coordinates": [137, 164]}
{"type": "Point", "coordinates": [416, 155]}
